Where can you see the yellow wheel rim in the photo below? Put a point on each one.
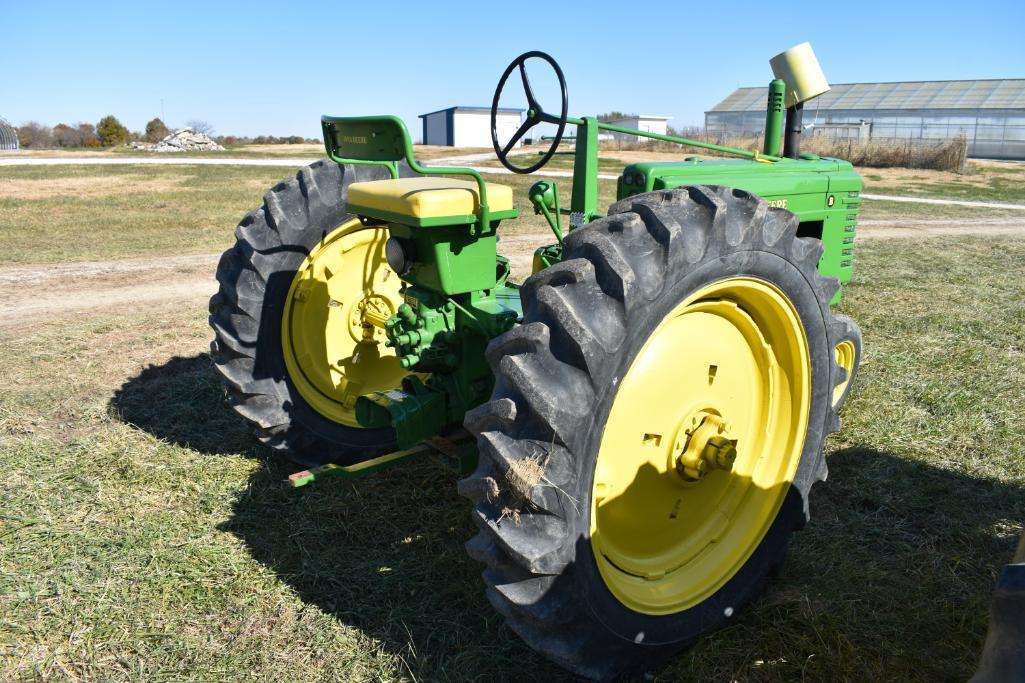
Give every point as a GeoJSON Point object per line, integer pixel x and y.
{"type": "Point", "coordinates": [732, 359]}
{"type": "Point", "coordinates": [846, 355]}
{"type": "Point", "coordinates": [333, 349]}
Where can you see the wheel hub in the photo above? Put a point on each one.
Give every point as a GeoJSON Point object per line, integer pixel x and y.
{"type": "Point", "coordinates": [702, 446]}
{"type": "Point", "coordinates": [368, 317]}
{"type": "Point", "coordinates": [332, 324]}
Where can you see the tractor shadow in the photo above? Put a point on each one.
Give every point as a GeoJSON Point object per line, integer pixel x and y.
{"type": "Point", "coordinates": [897, 551]}
{"type": "Point", "coordinates": [383, 554]}
{"type": "Point", "coordinates": [182, 402]}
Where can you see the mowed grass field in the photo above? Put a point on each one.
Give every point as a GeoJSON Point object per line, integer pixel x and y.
{"type": "Point", "coordinates": [77, 213]}
{"type": "Point", "coordinates": [145, 535]}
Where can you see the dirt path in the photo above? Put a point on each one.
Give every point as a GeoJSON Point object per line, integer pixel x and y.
{"type": "Point", "coordinates": [39, 292]}
{"type": "Point", "coordinates": [33, 293]}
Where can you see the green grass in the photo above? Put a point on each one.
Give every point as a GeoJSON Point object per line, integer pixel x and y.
{"type": "Point", "coordinates": [71, 213]}
{"type": "Point", "coordinates": [901, 212]}
{"type": "Point", "coordinates": [85, 212]}
{"type": "Point", "coordinates": [979, 182]}
{"type": "Point", "coordinates": [995, 189]}
{"type": "Point", "coordinates": [183, 209]}
{"type": "Point", "coordinates": [145, 535]}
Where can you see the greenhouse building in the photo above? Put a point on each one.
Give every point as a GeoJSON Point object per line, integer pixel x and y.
{"type": "Point", "coordinates": [8, 136]}
{"type": "Point", "coordinates": [989, 113]}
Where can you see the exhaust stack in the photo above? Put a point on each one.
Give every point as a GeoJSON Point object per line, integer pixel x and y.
{"type": "Point", "coordinates": [800, 71]}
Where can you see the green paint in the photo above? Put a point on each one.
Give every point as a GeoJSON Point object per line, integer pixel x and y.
{"type": "Point", "coordinates": [774, 117]}
{"type": "Point", "coordinates": [826, 190]}
{"type": "Point", "coordinates": [584, 204]}
{"type": "Point", "coordinates": [450, 260]}
{"type": "Point", "coordinates": [446, 337]}
{"type": "Point", "coordinates": [544, 195]}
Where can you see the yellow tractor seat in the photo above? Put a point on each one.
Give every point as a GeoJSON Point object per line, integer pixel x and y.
{"type": "Point", "coordinates": [428, 201]}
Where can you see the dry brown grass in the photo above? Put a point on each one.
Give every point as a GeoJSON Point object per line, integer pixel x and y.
{"type": "Point", "coordinates": [83, 187]}
{"type": "Point", "coordinates": [301, 149]}
{"type": "Point", "coordinates": [950, 155]}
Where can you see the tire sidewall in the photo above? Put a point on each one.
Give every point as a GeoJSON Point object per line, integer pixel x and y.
{"type": "Point", "coordinates": [743, 586]}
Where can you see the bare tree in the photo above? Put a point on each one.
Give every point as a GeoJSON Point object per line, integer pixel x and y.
{"type": "Point", "coordinates": [200, 126]}
{"type": "Point", "coordinates": [67, 136]}
{"type": "Point", "coordinates": [34, 135]}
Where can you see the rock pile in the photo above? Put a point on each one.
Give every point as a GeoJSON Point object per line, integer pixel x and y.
{"type": "Point", "coordinates": [186, 140]}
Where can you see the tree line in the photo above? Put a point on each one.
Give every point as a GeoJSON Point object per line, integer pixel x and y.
{"type": "Point", "coordinates": [110, 132]}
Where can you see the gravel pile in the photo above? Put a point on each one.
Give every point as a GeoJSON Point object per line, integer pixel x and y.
{"type": "Point", "coordinates": [186, 140]}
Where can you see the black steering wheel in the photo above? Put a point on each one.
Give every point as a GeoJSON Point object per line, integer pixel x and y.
{"type": "Point", "coordinates": [535, 114]}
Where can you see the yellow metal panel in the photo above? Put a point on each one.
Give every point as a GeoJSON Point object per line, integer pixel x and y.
{"type": "Point", "coordinates": [428, 197]}
{"type": "Point", "coordinates": [334, 350]}
{"type": "Point", "coordinates": [701, 445]}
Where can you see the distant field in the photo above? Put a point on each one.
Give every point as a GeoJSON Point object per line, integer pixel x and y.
{"type": "Point", "coordinates": [298, 151]}
{"type": "Point", "coordinates": [60, 213]}
{"type": "Point", "coordinates": [68, 213]}
{"type": "Point", "coordinates": [982, 181]}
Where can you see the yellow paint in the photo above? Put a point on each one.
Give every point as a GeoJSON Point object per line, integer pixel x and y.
{"type": "Point", "coordinates": [330, 327]}
{"type": "Point", "coordinates": [735, 350]}
{"type": "Point", "coordinates": [846, 357]}
{"type": "Point", "coordinates": [428, 197]}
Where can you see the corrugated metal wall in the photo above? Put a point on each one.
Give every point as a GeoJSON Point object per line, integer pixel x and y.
{"type": "Point", "coordinates": [992, 134]}
{"type": "Point", "coordinates": [989, 112]}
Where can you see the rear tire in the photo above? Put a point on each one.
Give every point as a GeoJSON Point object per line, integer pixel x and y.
{"type": "Point", "coordinates": [255, 275]}
{"type": "Point", "coordinates": [557, 376]}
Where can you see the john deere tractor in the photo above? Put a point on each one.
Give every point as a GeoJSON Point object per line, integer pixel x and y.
{"type": "Point", "coordinates": [639, 422]}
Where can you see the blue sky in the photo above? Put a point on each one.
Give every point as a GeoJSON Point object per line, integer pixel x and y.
{"type": "Point", "coordinates": [275, 67]}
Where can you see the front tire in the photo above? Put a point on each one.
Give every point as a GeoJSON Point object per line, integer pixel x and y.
{"type": "Point", "coordinates": [562, 380]}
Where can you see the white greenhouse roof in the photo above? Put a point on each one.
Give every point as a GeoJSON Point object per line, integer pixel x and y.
{"type": "Point", "coordinates": [1006, 93]}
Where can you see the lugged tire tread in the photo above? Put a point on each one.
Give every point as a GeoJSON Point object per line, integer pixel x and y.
{"type": "Point", "coordinates": [296, 214]}
{"type": "Point", "coordinates": [611, 268]}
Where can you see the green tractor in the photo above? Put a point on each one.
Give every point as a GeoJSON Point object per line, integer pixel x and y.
{"type": "Point", "coordinates": [638, 423]}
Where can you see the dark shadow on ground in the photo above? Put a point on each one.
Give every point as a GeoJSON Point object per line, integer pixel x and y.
{"type": "Point", "coordinates": [893, 578]}
{"type": "Point", "coordinates": [383, 554]}
{"type": "Point", "coordinates": [894, 573]}
{"type": "Point", "coordinates": [182, 402]}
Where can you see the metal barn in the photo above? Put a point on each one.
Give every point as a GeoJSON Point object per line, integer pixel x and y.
{"type": "Point", "coordinates": [648, 123]}
{"type": "Point", "coordinates": [990, 113]}
{"type": "Point", "coordinates": [468, 126]}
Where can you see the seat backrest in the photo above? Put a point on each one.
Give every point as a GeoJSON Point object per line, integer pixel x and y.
{"type": "Point", "coordinates": [366, 138]}
{"type": "Point", "coordinates": [384, 141]}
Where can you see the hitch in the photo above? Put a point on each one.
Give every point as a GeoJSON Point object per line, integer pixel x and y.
{"type": "Point", "coordinates": [454, 447]}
